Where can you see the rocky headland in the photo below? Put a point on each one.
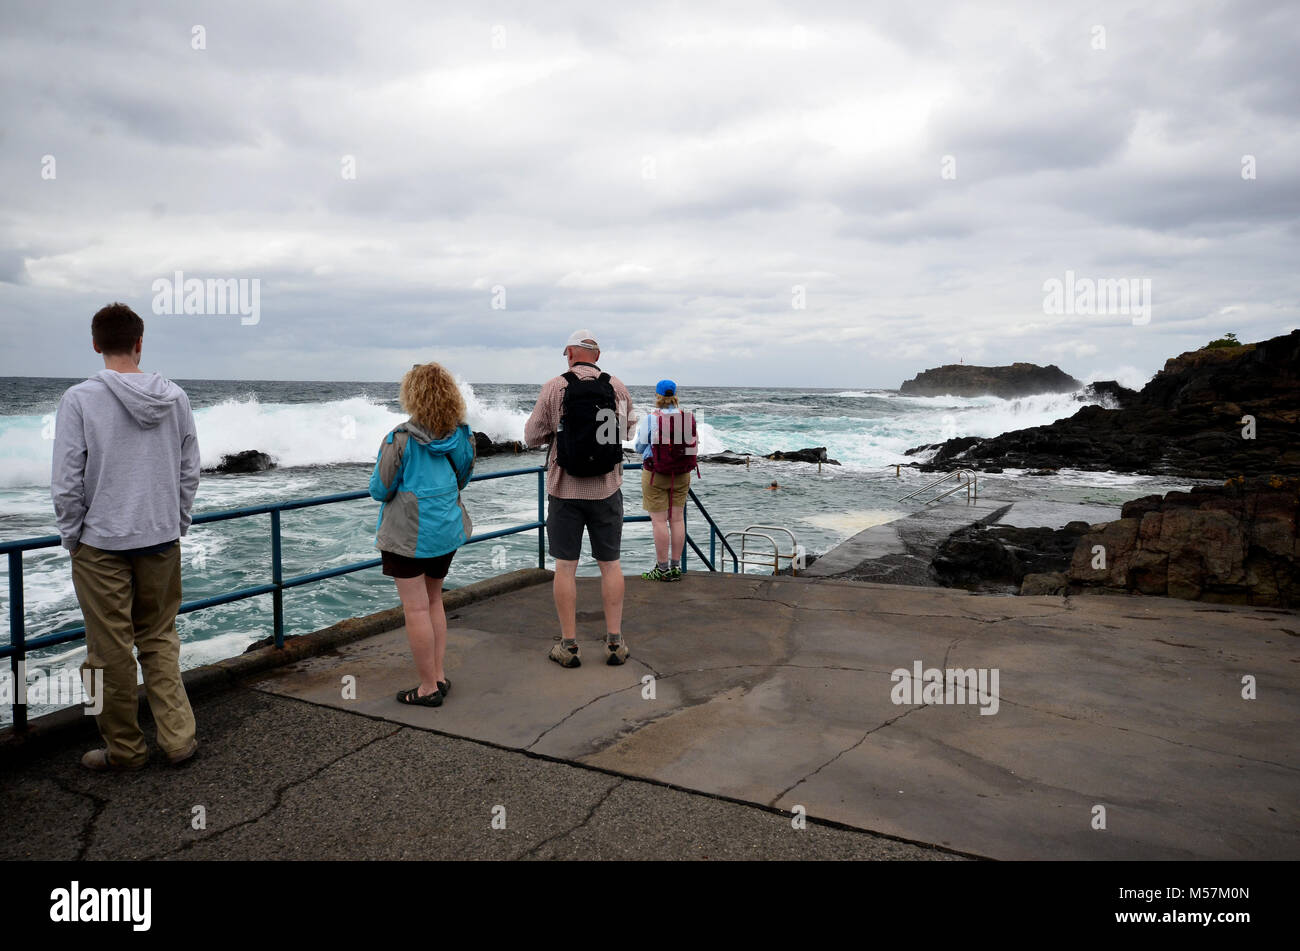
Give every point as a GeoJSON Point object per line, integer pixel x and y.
{"type": "Point", "coordinates": [1209, 414]}
{"type": "Point", "coordinates": [1018, 379]}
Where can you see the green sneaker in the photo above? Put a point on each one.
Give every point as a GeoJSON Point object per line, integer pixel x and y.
{"type": "Point", "coordinates": [565, 656]}
{"type": "Point", "coordinates": [616, 653]}
{"type": "Point", "coordinates": [655, 574]}
{"type": "Point", "coordinates": [673, 574]}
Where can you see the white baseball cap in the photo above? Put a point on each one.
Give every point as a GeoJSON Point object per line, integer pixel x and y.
{"type": "Point", "coordinates": [582, 338]}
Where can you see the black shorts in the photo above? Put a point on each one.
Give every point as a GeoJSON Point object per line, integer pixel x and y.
{"type": "Point", "coordinates": [602, 518]}
{"type": "Point", "coordinates": [400, 566]}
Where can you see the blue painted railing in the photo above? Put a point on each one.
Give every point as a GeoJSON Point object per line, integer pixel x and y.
{"type": "Point", "coordinates": [19, 646]}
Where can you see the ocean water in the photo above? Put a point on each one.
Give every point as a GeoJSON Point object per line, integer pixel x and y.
{"type": "Point", "coordinates": [324, 437]}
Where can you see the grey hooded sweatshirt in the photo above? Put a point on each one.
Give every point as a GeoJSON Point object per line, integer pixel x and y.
{"type": "Point", "coordinates": [126, 462]}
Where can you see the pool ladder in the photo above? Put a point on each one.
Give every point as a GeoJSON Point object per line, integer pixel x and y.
{"type": "Point", "coordinates": [966, 479]}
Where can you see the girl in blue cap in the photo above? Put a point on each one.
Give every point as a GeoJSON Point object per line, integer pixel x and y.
{"type": "Point", "coordinates": [667, 441]}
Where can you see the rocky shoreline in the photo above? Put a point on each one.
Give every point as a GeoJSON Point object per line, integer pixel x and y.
{"type": "Point", "coordinates": [1235, 543]}
{"type": "Point", "coordinates": [1209, 414]}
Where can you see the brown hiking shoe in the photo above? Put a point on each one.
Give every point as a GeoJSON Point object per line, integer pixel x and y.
{"type": "Point", "coordinates": [616, 653]}
{"type": "Point", "coordinates": [183, 755]}
{"type": "Point", "coordinates": [98, 761]}
{"type": "Point", "coordinates": [565, 656]}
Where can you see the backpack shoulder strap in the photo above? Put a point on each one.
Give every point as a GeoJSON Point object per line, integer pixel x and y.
{"type": "Point", "coordinates": [570, 376]}
{"type": "Point", "coordinates": [603, 378]}
{"type": "Point", "coordinates": [694, 433]}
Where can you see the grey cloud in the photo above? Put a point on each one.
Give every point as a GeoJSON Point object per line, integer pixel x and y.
{"type": "Point", "coordinates": [522, 166]}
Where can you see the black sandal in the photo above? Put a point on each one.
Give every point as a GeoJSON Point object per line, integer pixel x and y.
{"type": "Point", "coordinates": [413, 697]}
{"type": "Point", "coordinates": [445, 686]}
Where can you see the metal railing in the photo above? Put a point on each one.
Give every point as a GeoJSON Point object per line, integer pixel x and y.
{"type": "Point", "coordinates": [969, 483]}
{"type": "Point", "coordinates": [774, 558]}
{"type": "Point", "coordinates": [19, 646]}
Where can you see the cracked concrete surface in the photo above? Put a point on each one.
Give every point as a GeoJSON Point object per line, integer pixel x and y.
{"type": "Point", "coordinates": [777, 691]}
{"type": "Point", "coordinates": [281, 779]}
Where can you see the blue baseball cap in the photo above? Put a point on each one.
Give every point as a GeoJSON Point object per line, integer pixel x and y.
{"type": "Point", "coordinates": [666, 388]}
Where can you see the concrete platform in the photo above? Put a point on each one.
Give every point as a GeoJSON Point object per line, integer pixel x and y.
{"type": "Point", "coordinates": [777, 691]}
{"type": "Point", "coordinates": [281, 779]}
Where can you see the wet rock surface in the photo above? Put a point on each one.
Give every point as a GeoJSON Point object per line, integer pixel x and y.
{"type": "Point", "coordinates": [250, 460]}
{"type": "Point", "coordinates": [996, 558]}
{"type": "Point", "coordinates": [813, 454]}
{"type": "Point", "coordinates": [484, 446]}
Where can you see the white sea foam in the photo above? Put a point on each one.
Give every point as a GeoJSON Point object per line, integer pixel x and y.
{"type": "Point", "coordinates": [349, 431]}
{"type": "Point", "coordinates": [293, 434]}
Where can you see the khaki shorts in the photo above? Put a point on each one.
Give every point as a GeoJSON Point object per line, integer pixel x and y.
{"type": "Point", "coordinates": [654, 498]}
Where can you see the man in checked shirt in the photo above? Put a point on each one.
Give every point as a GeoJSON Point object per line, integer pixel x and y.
{"type": "Point", "coordinates": [575, 503]}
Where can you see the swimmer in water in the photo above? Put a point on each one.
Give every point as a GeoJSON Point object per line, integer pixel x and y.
{"type": "Point", "coordinates": [773, 487]}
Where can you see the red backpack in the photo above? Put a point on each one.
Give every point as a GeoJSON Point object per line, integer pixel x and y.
{"type": "Point", "coordinates": [674, 444]}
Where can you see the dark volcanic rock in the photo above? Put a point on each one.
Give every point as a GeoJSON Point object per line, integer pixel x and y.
{"type": "Point", "coordinates": [1190, 421]}
{"type": "Point", "coordinates": [815, 454]}
{"type": "Point", "coordinates": [250, 460]}
{"type": "Point", "coordinates": [1019, 379]}
{"type": "Point", "coordinates": [953, 448]}
{"type": "Point", "coordinates": [998, 557]}
{"type": "Point", "coordinates": [727, 458]}
{"type": "Point", "coordinates": [1109, 391]}
{"type": "Point", "coordinates": [484, 446]}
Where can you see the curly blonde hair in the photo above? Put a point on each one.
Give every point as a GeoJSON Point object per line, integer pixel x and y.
{"type": "Point", "coordinates": [663, 402]}
{"type": "Point", "coordinates": [430, 395]}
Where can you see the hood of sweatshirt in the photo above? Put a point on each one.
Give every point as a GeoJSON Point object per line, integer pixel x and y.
{"type": "Point", "coordinates": [148, 397]}
{"type": "Point", "coordinates": [425, 438]}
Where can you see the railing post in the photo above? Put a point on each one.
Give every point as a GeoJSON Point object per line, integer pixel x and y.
{"type": "Point", "coordinates": [277, 578]}
{"type": "Point", "coordinates": [713, 551]}
{"type": "Point", "coordinates": [685, 531]}
{"type": "Point", "coordinates": [541, 517]}
{"type": "Point", "coordinates": [18, 638]}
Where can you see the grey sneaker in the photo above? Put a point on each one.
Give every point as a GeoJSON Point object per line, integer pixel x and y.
{"type": "Point", "coordinates": [565, 656]}
{"type": "Point", "coordinates": [616, 653]}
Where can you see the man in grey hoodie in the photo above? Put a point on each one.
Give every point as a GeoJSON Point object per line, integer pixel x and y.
{"type": "Point", "coordinates": [126, 466]}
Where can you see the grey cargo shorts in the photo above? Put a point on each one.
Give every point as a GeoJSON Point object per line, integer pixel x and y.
{"type": "Point", "coordinates": [602, 518]}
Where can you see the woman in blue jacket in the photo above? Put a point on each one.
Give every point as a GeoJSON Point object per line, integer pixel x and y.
{"type": "Point", "coordinates": [422, 466]}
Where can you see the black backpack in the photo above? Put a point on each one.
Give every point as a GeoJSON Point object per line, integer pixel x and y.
{"type": "Point", "coordinates": [586, 413]}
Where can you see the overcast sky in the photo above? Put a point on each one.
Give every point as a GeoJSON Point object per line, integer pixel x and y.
{"type": "Point", "coordinates": [666, 175]}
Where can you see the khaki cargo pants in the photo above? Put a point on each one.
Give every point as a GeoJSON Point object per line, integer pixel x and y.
{"type": "Point", "coordinates": [132, 602]}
